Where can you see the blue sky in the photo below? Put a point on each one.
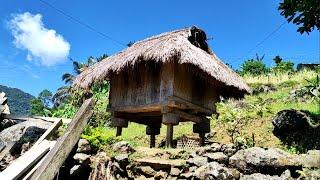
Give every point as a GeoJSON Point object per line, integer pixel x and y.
{"type": "Point", "coordinates": [236, 27]}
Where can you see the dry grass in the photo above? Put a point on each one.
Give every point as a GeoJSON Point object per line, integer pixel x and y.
{"type": "Point", "coordinates": [280, 78]}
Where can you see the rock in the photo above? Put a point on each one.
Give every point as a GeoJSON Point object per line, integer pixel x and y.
{"type": "Point", "coordinates": [263, 88]}
{"type": "Point", "coordinates": [174, 171]}
{"type": "Point", "coordinates": [142, 177]}
{"type": "Point", "coordinates": [75, 170]}
{"type": "Point", "coordinates": [228, 149]}
{"type": "Point", "coordinates": [82, 158]}
{"type": "Point", "coordinates": [187, 175]}
{"type": "Point", "coordinates": [27, 131]}
{"type": "Point", "coordinates": [122, 158]}
{"type": "Point", "coordinates": [193, 168]}
{"type": "Point", "coordinates": [286, 174]}
{"type": "Point", "coordinates": [257, 160]}
{"type": "Point", "coordinates": [290, 121]}
{"type": "Point", "coordinates": [258, 176]}
{"type": "Point", "coordinates": [215, 170]}
{"type": "Point", "coordinates": [147, 170]}
{"type": "Point", "coordinates": [198, 161]}
{"type": "Point", "coordinates": [217, 156]}
{"type": "Point", "coordinates": [25, 147]}
{"type": "Point", "coordinates": [123, 147]}
{"type": "Point", "coordinates": [84, 146]}
{"type": "Point", "coordinates": [160, 163]}
{"type": "Point", "coordinates": [215, 147]}
{"type": "Point", "coordinates": [161, 175]}
{"type": "Point", "coordinates": [311, 159]}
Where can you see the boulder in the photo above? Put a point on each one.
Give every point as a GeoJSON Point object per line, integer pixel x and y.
{"type": "Point", "coordinates": [84, 146]}
{"type": "Point", "coordinates": [123, 147]}
{"type": "Point", "coordinates": [82, 158]}
{"type": "Point", "coordinates": [217, 156]}
{"type": "Point", "coordinates": [215, 170]}
{"type": "Point", "coordinates": [257, 160]}
{"type": "Point", "coordinates": [297, 129]}
{"type": "Point", "coordinates": [27, 131]}
{"type": "Point", "coordinates": [174, 171]}
{"type": "Point", "coordinates": [311, 159]}
{"type": "Point", "coordinates": [258, 176]}
{"type": "Point", "coordinates": [197, 161]}
{"type": "Point", "coordinates": [286, 175]}
{"type": "Point", "coordinates": [161, 175]}
{"type": "Point", "coordinates": [228, 149]}
{"type": "Point", "coordinates": [147, 170]}
{"type": "Point", "coordinates": [290, 121]}
{"type": "Point", "coordinates": [75, 170]}
{"type": "Point", "coordinates": [122, 159]}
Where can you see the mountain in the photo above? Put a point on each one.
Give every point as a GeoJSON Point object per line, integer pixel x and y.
{"type": "Point", "coordinates": [18, 101]}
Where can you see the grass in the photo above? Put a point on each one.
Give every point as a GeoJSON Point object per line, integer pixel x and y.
{"type": "Point", "coordinates": [259, 112]}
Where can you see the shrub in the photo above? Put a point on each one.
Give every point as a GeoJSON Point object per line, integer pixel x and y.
{"type": "Point", "coordinates": [253, 67]}
{"type": "Point", "coordinates": [100, 137]}
{"type": "Point", "coordinates": [283, 66]}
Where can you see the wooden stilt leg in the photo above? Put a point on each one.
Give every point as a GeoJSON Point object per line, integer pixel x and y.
{"type": "Point", "coordinates": [169, 136]}
{"type": "Point", "coordinates": [152, 140]}
{"type": "Point", "coordinates": [119, 131]}
{"type": "Point", "coordinates": [202, 137]}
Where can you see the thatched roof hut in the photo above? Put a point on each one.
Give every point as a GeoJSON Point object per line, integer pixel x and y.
{"type": "Point", "coordinates": [165, 79]}
{"type": "Point", "coordinates": [187, 46]}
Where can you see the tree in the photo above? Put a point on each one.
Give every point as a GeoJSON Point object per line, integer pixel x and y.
{"type": "Point", "coordinates": [304, 13]}
{"type": "Point", "coordinates": [46, 97]}
{"type": "Point", "coordinates": [62, 93]}
{"type": "Point", "coordinates": [277, 59]}
{"type": "Point", "coordinates": [40, 105]}
{"type": "Point", "coordinates": [254, 66]}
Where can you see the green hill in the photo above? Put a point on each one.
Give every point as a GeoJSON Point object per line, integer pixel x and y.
{"type": "Point", "coordinates": [18, 101]}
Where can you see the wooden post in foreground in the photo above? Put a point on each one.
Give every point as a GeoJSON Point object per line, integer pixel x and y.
{"type": "Point", "coordinates": [55, 158]}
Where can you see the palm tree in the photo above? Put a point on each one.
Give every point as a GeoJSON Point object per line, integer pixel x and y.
{"type": "Point", "coordinates": [63, 92]}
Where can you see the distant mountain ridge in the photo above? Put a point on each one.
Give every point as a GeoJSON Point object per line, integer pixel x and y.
{"type": "Point", "coordinates": [18, 101]}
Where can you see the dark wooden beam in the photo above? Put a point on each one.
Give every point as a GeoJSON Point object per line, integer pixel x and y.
{"type": "Point", "coordinates": [180, 103]}
{"type": "Point", "coordinates": [183, 115]}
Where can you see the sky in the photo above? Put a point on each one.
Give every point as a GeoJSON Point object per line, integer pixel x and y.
{"type": "Point", "coordinates": [37, 40]}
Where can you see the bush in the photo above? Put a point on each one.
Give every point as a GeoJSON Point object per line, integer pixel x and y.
{"type": "Point", "coordinates": [253, 67]}
{"type": "Point", "coordinates": [100, 137]}
{"type": "Point", "coordinates": [283, 66]}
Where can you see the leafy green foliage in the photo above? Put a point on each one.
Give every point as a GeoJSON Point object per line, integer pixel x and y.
{"type": "Point", "coordinates": [254, 66]}
{"type": "Point", "coordinates": [304, 13]}
{"type": "Point", "coordinates": [18, 101]}
{"type": "Point", "coordinates": [283, 66]}
{"type": "Point", "coordinates": [38, 108]}
{"type": "Point", "coordinates": [46, 97]}
{"type": "Point", "coordinates": [100, 137]}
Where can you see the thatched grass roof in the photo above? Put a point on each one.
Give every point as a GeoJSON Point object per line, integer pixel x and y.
{"type": "Point", "coordinates": [186, 46]}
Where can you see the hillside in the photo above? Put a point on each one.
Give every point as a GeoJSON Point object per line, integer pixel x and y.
{"type": "Point", "coordinates": [251, 116]}
{"type": "Point", "coordinates": [18, 101]}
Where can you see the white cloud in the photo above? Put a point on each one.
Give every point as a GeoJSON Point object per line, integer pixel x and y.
{"type": "Point", "coordinates": [44, 45]}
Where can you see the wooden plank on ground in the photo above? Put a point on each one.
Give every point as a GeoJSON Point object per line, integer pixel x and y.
{"type": "Point", "coordinates": [49, 131]}
{"type": "Point", "coordinates": [27, 160]}
{"type": "Point", "coordinates": [7, 149]}
{"type": "Point", "coordinates": [51, 164]}
{"type": "Point", "coordinates": [27, 176]}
